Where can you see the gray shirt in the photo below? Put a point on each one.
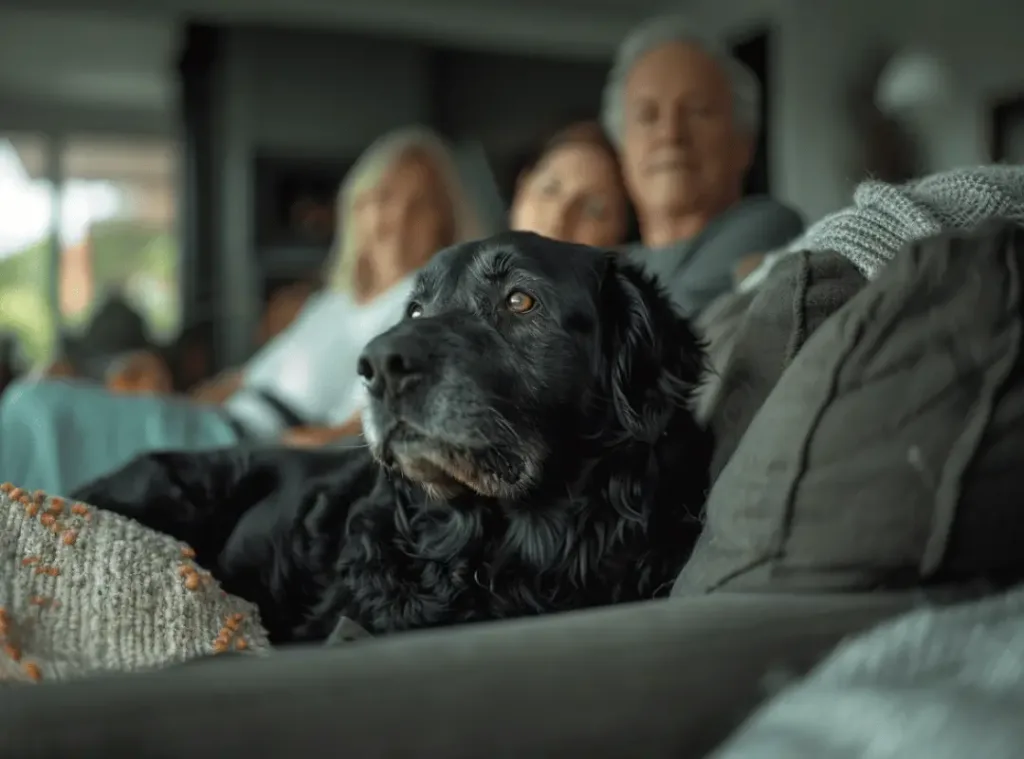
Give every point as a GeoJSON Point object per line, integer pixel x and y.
{"type": "Point", "coordinates": [698, 270]}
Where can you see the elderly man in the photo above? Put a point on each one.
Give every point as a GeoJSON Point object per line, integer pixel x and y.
{"type": "Point", "coordinates": [684, 115]}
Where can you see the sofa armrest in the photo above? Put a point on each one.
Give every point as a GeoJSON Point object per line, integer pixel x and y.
{"type": "Point", "coordinates": [667, 678]}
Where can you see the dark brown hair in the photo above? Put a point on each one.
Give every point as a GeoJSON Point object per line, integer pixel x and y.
{"type": "Point", "coordinates": [586, 132]}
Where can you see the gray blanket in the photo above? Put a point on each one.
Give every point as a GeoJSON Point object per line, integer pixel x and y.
{"type": "Point", "coordinates": [946, 683]}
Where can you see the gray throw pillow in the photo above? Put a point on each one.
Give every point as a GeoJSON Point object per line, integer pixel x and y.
{"type": "Point", "coordinates": [802, 291]}
{"type": "Point", "coordinates": [889, 453]}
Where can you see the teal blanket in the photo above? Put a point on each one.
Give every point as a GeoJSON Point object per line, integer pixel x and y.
{"type": "Point", "coordinates": [56, 435]}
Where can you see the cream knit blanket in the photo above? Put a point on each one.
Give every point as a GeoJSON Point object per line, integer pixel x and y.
{"type": "Point", "coordinates": [84, 591]}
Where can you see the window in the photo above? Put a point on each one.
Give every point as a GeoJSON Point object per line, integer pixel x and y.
{"type": "Point", "coordinates": [107, 226]}
{"type": "Point", "coordinates": [27, 222]}
{"type": "Point", "coordinates": [117, 232]}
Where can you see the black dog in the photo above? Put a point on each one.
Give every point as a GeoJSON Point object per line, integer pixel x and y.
{"type": "Point", "coordinates": [536, 454]}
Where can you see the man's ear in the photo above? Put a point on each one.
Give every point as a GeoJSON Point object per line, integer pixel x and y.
{"type": "Point", "coordinates": [653, 361]}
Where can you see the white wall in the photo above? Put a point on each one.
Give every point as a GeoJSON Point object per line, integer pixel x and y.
{"type": "Point", "coordinates": [820, 48]}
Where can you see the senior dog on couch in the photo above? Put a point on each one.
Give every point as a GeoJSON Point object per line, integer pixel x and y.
{"type": "Point", "coordinates": [530, 450]}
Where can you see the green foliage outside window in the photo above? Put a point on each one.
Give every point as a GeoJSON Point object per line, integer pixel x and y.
{"type": "Point", "coordinates": [122, 251]}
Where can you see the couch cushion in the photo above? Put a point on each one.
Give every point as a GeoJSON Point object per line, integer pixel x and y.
{"type": "Point", "coordinates": [889, 451]}
{"type": "Point", "coordinates": [802, 291]}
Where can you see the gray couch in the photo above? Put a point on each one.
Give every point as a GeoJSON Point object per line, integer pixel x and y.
{"type": "Point", "coordinates": [874, 469]}
{"type": "Point", "coordinates": [650, 681]}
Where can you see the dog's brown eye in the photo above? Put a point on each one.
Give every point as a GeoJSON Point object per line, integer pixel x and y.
{"type": "Point", "coordinates": [519, 302]}
{"type": "Point", "coordinates": [414, 311]}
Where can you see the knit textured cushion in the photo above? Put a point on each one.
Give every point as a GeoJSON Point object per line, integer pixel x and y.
{"type": "Point", "coordinates": [885, 217]}
{"type": "Point", "coordinates": [84, 591]}
{"type": "Point", "coordinates": [889, 453]}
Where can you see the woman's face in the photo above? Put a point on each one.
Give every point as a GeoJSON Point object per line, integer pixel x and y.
{"type": "Point", "coordinates": [574, 194]}
{"type": "Point", "coordinates": [404, 219]}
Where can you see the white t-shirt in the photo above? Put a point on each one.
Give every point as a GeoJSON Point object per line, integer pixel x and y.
{"type": "Point", "coordinates": [310, 368]}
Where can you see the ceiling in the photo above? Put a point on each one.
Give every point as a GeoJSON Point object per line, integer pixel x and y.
{"type": "Point", "coordinates": [572, 27]}
{"type": "Point", "coordinates": [118, 53]}
{"type": "Point", "coordinates": [71, 58]}
{"type": "Point", "coordinates": [99, 57]}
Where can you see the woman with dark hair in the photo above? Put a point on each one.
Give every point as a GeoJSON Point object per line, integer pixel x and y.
{"type": "Point", "coordinates": [573, 190]}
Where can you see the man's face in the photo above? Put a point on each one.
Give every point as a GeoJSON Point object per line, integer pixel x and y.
{"type": "Point", "coordinates": [682, 151]}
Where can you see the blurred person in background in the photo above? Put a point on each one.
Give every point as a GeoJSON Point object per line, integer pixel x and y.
{"type": "Point", "coordinates": [573, 190]}
{"type": "Point", "coordinates": [115, 330]}
{"type": "Point", "coordinates": [284, 305]}
{"type": "Point", "coordinates": [114, 349]}
{"type": "Point", "coordinates": [685, 114]}
{"type": "Point", "coordinates": [393, 219]}
{"type": "Point", "coordinates": [401, 202]}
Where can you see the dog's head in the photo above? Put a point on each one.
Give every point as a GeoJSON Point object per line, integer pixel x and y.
{"type": "Point", "coordinates": [518, 355]}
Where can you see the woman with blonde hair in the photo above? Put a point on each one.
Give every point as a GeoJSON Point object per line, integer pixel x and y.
{"type": "Point", "coordinates": [402, 201]}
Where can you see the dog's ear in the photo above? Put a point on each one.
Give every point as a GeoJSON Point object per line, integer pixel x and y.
{"type": "Point", "coordinates": [653, 360]}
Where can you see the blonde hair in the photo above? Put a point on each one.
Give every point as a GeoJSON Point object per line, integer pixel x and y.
{"type": "Point", "coordinates": [367, 171]}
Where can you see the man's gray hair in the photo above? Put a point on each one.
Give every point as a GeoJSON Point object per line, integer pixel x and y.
{"type": "Point", "coordinates": [664, 30]}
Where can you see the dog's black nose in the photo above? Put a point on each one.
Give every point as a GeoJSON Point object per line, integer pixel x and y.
{"type": "Point", "coordinates": [391, 363]}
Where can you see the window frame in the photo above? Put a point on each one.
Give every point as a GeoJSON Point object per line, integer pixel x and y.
{"type": "Point", "coordinates": [56, 127]}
